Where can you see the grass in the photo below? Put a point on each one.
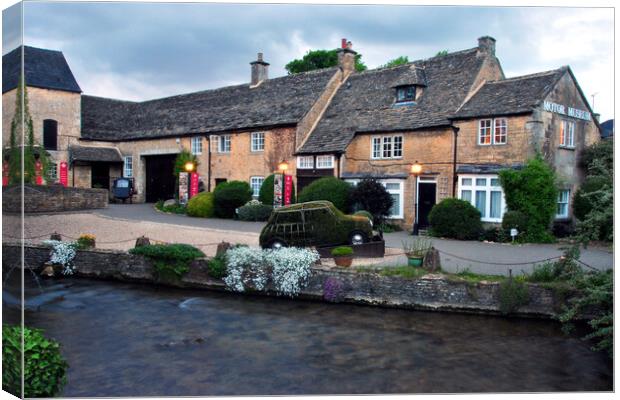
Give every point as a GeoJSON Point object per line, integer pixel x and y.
{"type": "Point", "coordinates": [468, 276]}
{"type": "Point", "coordinates": [175, 209]}
{"type": "Point", "coordinates": [404, 271]}
{"type": "Point", "coordinates": [408, 272]}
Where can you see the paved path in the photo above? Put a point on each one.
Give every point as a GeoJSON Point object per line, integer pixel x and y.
{"type": "Point", "coordinates": [117, 227]}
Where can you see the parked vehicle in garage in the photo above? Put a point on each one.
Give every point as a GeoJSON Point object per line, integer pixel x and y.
{"type": "Point", "coordinates": [122, 189]}
{"type": "Point", "coordinates": [315, 223]}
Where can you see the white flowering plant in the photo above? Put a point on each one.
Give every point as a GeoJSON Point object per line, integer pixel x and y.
{"type": "Point", "coordinates": [289, 269]}
{"type": "Point", "coordinates": [62, 253]}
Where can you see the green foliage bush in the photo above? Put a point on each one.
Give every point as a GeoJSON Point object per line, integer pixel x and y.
{"type": "Point", "coordinates": [370, 195]}
{"type": "Point", "coordinates": [171, 261]}
{"type": "Point", "coordinates": [582, 203]}
{"type": "Point", "coordinates": [255, 211]}
{"type": "Point", "coordinates": [602, 152]}
{"type": "Point", "coordinates": [331, 189]}
{"type": "Point", "coordinates": [342, 251]}
{"type": "Point", "coordinates": [318, 59]}
{"type": "Point", "coordinates": [364, 213]}
{"type": "Point", "coordinates": [217, 266]}
{"type": "Point", "coordinates": [229, 196]}
{"type": "Point", "coordinates": [542, 273]}
{"type": "Point", "coordinates": [513, 294]}
{"type": "Point", "coordinates": [45, 368]}
{"type": "Point", "coordinates": [174, 209]}
{"type": "Point", "coordinates": [201, 205]}
{"type": "Point", "coordinates": [265, 195]}
{"type": "Point", "coordinates": [454, 218]}
{"type": "Point", "coordinates": [532, 191]}
{"type": "Point", "coordinates": [182, 158]}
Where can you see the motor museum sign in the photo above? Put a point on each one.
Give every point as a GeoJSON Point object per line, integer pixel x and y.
{"type": "Point", "coordinates": [568, 111]}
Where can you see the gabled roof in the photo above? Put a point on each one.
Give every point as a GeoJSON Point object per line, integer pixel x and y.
{"type": "Point", "coordinates": [94, 154]}
{"type": "Point", "coordinates": [511, 96]}
{"type": "Point", "coordinates": [607, 129]}
{"type": "Point", "coordinates": [366, 102]}
{"type": "Point", "coordinates": [275, 102]}
{"type": "Point", "coordinates": [43, 68]}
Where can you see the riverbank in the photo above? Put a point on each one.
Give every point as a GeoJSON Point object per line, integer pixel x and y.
{"type": "Point", "coordinates": [437, 292]}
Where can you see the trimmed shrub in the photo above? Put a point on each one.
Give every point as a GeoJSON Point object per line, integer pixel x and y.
{"type": "Point", "coordinates": [45, 368]}
{"type": "Point", "coordinates": [201, 205]}
{"type": "Point", "coordinates": [265, 195]}
{"type": "Point", "coordinates": [364, 213]}
{"type": "Point", "coordinates": [229, 196]}
{"type": "Point", "coordinates": [254, 211]}
{"type": "Point", "coordinates": [331, 189]}
{"type": "Point", "coordinates": [454, 218]}
{"type": "Point", "coordinates": [532, 191]}
{"type": "Point", "coordinates": [342, 251]}
{"type": "Point", "coordinates": [370, 195]}
{"type": "Point", "coordinates": [514, 219]}
{"type": "Point", "coordinates": [171, 261]}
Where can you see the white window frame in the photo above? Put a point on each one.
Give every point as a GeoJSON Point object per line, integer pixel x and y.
{"type": "Point", "coordinates": [257, 142]}
{"type": "Point", "coordinates": [503, 125]}
{"type": "Point", "coordinates": [256, 190]}
{"type": "Point", "coordinates": [491, 130]}
{"type": "Point", "coordinates": [488, 189]}
{"type": "Point", "coordinates": [562, 202]}
{"type": "Point", "coordinates": [382, 145]}
{"type": "Point", "coordinates": [196, 145]}
{"type": "Point", "coordinates": [224, 144]}
{"type": "Point", "coordinates": [400, 192]}
{"type": "Point", "coordinates": [128, 167]}
{"type": "Point", "coordinates": [567, 133]}
{"type": "Point", "coordinates": [325, 162]}
{"type": "Point", "coordinates": [302, 165]}
{"type": "Point", "coordinates": [52, 167]}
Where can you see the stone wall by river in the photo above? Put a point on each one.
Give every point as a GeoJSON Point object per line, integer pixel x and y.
{"type": "Point", "coordinates": [430, 292]}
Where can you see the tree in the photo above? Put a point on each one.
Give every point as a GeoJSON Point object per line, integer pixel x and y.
{"type": "Point", "coordinates": [371, 196]}
{"type": "Point", "coordinates": [317, 59]}
{"type": "Point", "coordinates": [22, 121]}
{"type": "Point", "coordinates": [532, 191]}
{"type": "Point", "coordinates": [441, 53]}
{"type": "Point", "coordinates": [397, 61]}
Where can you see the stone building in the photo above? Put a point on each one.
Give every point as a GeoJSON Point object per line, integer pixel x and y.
{"type": "Point", "coordinates": [456, 115]}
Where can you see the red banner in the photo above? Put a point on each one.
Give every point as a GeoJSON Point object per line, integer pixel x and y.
{"type": "Point", "coordinates": [38, 169]}
{"type": "Point", "coordinates": [64, 175]}
{"type": "Point", "coordinates": [193, 185]}
{"type": "Point", "coordinates": [5, 173]}
{"type": "Point", "coordinates": [288, 189]}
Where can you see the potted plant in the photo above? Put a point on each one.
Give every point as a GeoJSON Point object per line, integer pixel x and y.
{"type": "Point", "coordinates": [86, 241]}
{"type": "Point", "coordinates": [415, 250]}
{"type": "Point", "coordinates": [343, 256]}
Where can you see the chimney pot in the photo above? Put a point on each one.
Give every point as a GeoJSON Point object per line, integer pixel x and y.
{"type": "Point", "coordinates": [486, 44]}
{"type": "Point", "coordinates": [260, 71]}
{"type": "Point", "coordinates": [260, 57]}
{"type": "Point", "coordinates": [343, 43]}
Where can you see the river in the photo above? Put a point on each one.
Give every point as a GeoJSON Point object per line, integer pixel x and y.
{"type": "Point", "coordinates": [124, 339]}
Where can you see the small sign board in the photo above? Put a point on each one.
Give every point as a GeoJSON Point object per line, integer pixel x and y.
{"type": "Point", "coordinates": [565, 110]}
{"type": "Point", "coordinates": [288, 189]}
{"type": "Point", "coordinates": [277, 190]}
{"type": "Point", "coordinates": [183, 187]}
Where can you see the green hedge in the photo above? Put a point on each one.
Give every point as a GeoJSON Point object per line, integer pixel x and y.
{"type": "Point", "coordinates": [331, 189]}
{"type": "Point", "coordinates": [265, 195]}
{"type": "Point", "coordinates": [582, 205]}
{"type": "Point", "coordinates": [45, 368]}
{"type": "Point", "coordinates": [255, 212]}
{"type": "Point", "coordinates": [201, 205]}
{"type": "Point", "coordinates": [171, 261]}
{"type": "Point", "coordinates": [454, 218]}
{"type": "Point", "coordinates": [229, 196]}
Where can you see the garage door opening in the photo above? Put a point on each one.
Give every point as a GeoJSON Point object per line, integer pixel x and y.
{"type": "Point", "coordinates": [160, 179]}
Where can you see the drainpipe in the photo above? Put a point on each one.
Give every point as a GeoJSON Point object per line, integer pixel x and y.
{"type": "Point", "coordinates": [209, 165]}
{"type": "Point", "coordinates": [454, 177]}
{"type": "Point", "coordinates": [338, 165]}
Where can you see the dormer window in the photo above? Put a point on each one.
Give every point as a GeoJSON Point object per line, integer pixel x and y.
{"type": "Point", "coordinates": [405, 93]}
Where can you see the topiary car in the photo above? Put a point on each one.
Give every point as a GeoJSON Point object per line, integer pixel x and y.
{"type": "Point", "coordinates": [315, 223]}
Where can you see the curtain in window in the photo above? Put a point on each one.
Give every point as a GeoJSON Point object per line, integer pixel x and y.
{"type": "Point", "coordinates": [481, 201]}
{"type": "Point", "coordinates": [496, 205]}
{"type": "Point", "coordinates": [466, 195]}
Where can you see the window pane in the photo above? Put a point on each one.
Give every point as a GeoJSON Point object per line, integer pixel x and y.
{"type": "Point", "coordinates": [496, 204]}
{"type": "Point", "coordinates": [466, 195]}
{"type": "Point", "coordinates": [484, 131]}
{"type": "Point", "coordinates": [395, 210]}
{"type": "Point", "coordinates": [501, 130]}
{"type": "Point", "coordinates": [481, 181]}
{"type": "Point", "coordinates": [466, 181]}
{"type": "Point", "coordinates": [392, 186]}
{"type": "Point", "coordinates": [481, 201]}
{"type": "Point", "coordinates": [398, 146]}
{"type": "Point", "coordinates": [494, 182]}
{"type": "Point", "coordinates": [387, 147]}
{"type": "Point", "coordinates": [376, 147]}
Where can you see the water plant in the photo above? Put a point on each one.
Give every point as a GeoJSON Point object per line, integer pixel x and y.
{"type": "Point", "coordinates": [44, 367]}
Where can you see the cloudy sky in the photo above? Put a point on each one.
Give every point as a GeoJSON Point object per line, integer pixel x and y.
{"type": "Point", "coordinates": [139, 51]}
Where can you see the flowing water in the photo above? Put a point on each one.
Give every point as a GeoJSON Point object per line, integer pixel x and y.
{"type": "Point", "coordinates": [129, 339]}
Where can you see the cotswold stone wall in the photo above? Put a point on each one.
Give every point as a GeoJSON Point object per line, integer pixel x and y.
{"type": "Point", "coordinates": [52, 198]}
{"type": "Point", "coordinates": [431, 292]}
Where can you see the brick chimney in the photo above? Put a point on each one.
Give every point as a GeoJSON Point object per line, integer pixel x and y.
{"type": "Point", "coordinates": [346, 57]}
{"type": "Point", "coordinates": [486, 45]}
{"type": "Point", "coordinates": [260, 71]}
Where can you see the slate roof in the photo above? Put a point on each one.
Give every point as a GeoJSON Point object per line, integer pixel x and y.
{"type": "Point", "coordinates": [276, 102]}
{"type": "Point", "coordinates": [607, 129]}
{"type": "Point", "coordinates": [365, 103]}
{"type": "Point", "coordinates": [43, 68]}
{"type": "Point", "coordinates": [94, 154]}
{"type": "Point", "coordinates": [485, 168]}
{"type": "Point", "coordinates": [510, 96]}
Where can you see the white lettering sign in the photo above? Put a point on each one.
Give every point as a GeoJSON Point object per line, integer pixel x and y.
{"type": "Point", "coordinates": [572, 112]}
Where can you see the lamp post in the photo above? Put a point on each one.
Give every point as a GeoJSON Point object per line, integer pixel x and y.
{"type": "Point", "coordinates": [416, 170]}
{"type": "Point", "coordinates": [189, 166]}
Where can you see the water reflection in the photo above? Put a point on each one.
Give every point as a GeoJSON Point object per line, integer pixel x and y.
{"type": "Point", "coordinates": [128, 340]}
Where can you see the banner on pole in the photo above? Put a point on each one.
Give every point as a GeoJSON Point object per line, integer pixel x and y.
{"type": "Point", "coordinates": [288, 189]}
{"type": "Point", "coordinates": [193, 184]}
{"type": "Point", "coordinates": [64, 174]}
{"type": "Point", "coordinates": [5, 173]}
{"type": "Point", "coordinates": [38, 172]}
{"type": "Point", "coordinates": [277, 190]}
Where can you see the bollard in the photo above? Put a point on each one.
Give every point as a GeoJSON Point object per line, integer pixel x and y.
{"type": "Point", "coordinates": [142, 241]}
{"type": "Point", "coordinates": [56, 236]}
